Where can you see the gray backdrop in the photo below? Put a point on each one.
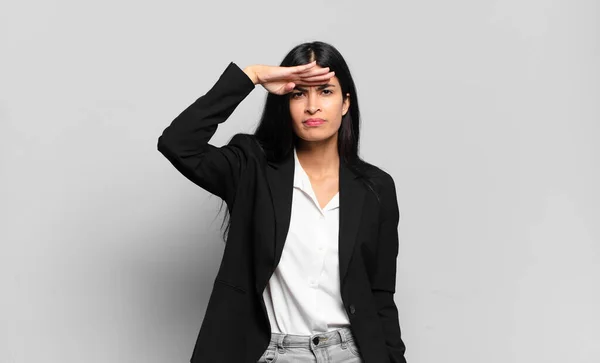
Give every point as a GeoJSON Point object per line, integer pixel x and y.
{"type": "Point", "coordinates": [486, 113]}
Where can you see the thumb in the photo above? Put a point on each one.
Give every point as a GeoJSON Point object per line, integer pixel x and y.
{"type": "Point", "coordinates": [289, 87]}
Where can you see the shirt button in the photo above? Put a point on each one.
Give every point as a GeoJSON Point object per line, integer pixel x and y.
{"type": "Point", "coordinates": [352, 309]}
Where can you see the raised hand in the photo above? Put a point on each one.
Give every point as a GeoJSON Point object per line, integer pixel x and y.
{"type": "Point", "coordinates": [282, 80]}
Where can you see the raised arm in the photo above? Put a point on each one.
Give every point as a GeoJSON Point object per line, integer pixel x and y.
{"type": "Point", "coordinates": [185, 142]}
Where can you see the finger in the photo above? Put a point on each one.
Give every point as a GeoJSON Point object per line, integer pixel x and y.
{"type": "Point", "coordinates": [313, 72]}
{"type": "Point", "coordinates": [304, 67]}
{"type": "Point", "coordinates": [289, 87]}
{"type": "Point", "coordinates": [324, 77]}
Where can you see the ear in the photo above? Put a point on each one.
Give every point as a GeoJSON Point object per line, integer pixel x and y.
{"type": "Point", "coordinates": [346, 104]}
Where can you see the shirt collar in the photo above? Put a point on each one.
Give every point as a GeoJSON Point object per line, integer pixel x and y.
{"type": "Point", "coordinates": [300, 176]}
{"type": "Point", "coordinates": [302, 182]}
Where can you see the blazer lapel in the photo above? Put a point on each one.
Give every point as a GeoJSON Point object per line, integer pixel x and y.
{"type": "Point", "coordinates": [280, 177]}
{"type": "Point", "coordinates": [352, 194]}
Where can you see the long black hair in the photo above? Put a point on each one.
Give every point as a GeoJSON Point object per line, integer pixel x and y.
{"type": "Point", "coordinates": [274, 132]}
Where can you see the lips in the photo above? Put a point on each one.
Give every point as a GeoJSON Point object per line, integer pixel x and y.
{"type": "Point", "coordinates": [314, 121]}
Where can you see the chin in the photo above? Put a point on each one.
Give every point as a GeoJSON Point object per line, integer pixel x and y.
{"type": "Point", "coordinates": [315, 135]}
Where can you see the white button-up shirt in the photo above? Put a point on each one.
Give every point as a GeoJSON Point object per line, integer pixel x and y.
{"type": "Point", "coordinates": [303, 294]}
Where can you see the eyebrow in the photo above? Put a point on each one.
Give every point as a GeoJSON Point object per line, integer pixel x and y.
{"type": "Point", "coordinates": [319, 88]}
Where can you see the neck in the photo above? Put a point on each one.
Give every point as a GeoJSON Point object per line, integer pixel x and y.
{"type": "Point", "coordinates": [319, 158]}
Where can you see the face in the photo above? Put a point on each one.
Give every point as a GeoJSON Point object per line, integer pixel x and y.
{"type": "Point", "coordinates": [324, 104]}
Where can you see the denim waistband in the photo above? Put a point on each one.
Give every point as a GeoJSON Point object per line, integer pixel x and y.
{"type": "Point", "coordinates": [333, 337]}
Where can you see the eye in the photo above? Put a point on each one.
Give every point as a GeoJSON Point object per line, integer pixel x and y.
{"type": "Point", "coordinates": [326, 90]}
{"type": "Point", "coordinates": [294, 94]}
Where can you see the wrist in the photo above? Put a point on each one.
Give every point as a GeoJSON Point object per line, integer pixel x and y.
{"type": "Point", "coordinates": [251, 73]}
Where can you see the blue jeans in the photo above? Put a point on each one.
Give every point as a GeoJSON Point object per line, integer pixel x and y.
{"type": "Point", "coordinates": [336, 346]}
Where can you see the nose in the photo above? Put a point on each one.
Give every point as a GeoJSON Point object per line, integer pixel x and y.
{"type": "Point", "coordinates": [312, 105]}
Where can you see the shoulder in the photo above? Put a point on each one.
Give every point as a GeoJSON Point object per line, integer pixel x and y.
{"type": "Point", "coordinates": [380, 177]}
{"type": "Point", "coordinates": [385, 190]}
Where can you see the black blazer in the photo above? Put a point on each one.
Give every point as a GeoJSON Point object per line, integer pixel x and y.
{"type": "Point", "coordinates": [258, 193]}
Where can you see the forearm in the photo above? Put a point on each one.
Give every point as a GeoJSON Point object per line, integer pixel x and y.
{"type": "Point", "coordinates": [185, 143]}
{"type": "Point", "coordinates": [189, 133]}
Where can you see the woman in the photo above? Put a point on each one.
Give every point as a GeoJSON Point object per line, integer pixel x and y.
{"type": "Point", "coordinates": [309, 268]}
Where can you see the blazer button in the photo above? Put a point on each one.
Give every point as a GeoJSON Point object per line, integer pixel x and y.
{"type": "Point", "coordinates": [352, 310]}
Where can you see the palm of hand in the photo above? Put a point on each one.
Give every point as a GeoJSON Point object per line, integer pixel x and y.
{"type": "Point", "coordinates": [278, 87]}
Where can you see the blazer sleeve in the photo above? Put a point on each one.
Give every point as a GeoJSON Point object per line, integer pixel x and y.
{"type": "Point", "coordinates": [185, 141]}
{"type": "Point", "coordinates": [384, 282]}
